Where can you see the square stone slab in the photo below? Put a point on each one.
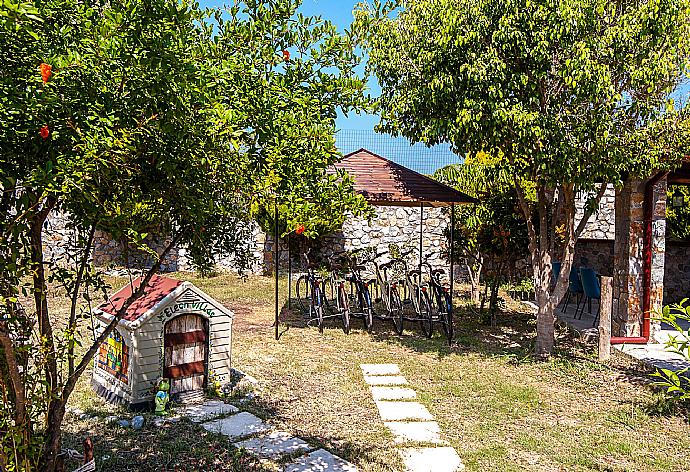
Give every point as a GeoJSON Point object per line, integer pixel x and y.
{"type": "Point", "coordinates": [421, 431]}
{"type": "Point", "coordinates": [237, 426]}
{"type": "Point", "coordinates": [380, 369]}
{"type": "Point", "coordinates": [385, 380]}
{"type": "Point", "coordinates": [397, 411]}
{"type": "Point", "coordinates": [320, 461]}
{"type": "Point", "coordinates": [274, 445]}
{"type": "Point", "coordinates": [432, 459]}
{"type": "Point", "coordinates": [393, 393]}
{"type": "Point", "coordinates": [207, 410]}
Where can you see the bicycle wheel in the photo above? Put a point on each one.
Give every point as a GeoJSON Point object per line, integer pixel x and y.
{"type": "Point", "coordinates": [366, 308]}
{"type": "Point", "coordinates": [329, 294]}
{"type": "Point", "coordinates": [303, 293]}
{"type": "Point", "coordinates": [344, 308]}
{"type": "Point", "coordinates": [447, 316]}
{"type": "Point", "coordinates": [425, 315]}
{"type": "Point", "coordinates": [317, 302]}
{"type": "Point", "coordinates": [396, 310]}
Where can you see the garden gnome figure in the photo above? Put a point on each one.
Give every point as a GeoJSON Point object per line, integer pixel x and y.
{"type": "Point", "coordinates": [162, 397]}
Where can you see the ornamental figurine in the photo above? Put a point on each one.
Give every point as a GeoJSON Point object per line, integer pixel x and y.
{"type": "Point", "coordinates": [162, 397]}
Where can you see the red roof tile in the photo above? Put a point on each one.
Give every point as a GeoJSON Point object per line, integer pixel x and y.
{"type": "Point", "coordinates": [383, 182]}
{"type": "Point", "coordinates": [158, 288]}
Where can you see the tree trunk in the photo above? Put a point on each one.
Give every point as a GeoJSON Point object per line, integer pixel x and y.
{"type": "Point", "coordinates": [476, 293]}
{"type": "Point", "coordinates": [545, 325]}
{"type": "Point", "coordinates": [50, 460]}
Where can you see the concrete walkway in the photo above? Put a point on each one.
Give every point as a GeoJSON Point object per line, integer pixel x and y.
{"type": "Point", "coordinates": [653, 354]}
{"type": "Point", "coordinates": [251, 433]}
{"type": "Point", "coordinates": [409, 421]}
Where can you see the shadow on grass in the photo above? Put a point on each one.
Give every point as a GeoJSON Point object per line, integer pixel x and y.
{"type": "Point", "coordinates": [182, 446]}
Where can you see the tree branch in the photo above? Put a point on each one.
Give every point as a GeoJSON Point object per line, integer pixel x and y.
{"type": "Point", "coordinates": [15, 376]}
{"type": "Point", "coordinates": [75, 296]}
{"type": "Point", "coordinates": [136, 294]}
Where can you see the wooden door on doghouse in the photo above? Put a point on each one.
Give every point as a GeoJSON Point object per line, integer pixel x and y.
{"type": "Point", "coordinates": [186, 349]}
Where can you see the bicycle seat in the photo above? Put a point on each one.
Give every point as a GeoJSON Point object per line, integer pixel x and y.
{"type": "Point", "coordinates": [413, 272]}
{"type": "Point", "coordinates": [438, 271]}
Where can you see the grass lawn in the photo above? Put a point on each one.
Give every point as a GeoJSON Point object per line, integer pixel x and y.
{"type": "Point", "coordinates": [497, 407]}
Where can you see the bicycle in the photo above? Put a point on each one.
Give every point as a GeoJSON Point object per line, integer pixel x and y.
{"type": "Point", "coordinates": [414, 292]}
{"type": "Point", "coordinates": [309, 285]}
{"type": "Point", "coordinates": [442, 306]}
{"type": "Point", "coordinates": [316, 293]}
{"type": "Point", "coordinates": [385, 292]}
{"type": "Point", "coordinates": [360, 296]}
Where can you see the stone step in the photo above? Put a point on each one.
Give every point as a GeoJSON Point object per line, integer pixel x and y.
{"type": "Point", "coordinates": [385, 380]}
{"type": "Point", "coordinates": [432, 459]}
{"type": "Point", "coordinates": [418, 431]}
{"type": "Point", "coordinates": [393, 393]}
{"type": "Point", "coordinates": [207, 410]}
{"type": "Point", "coordinates": [320, 461]}
{"type": "Point", "coordinates": [380, 369]}
{"type": "Point", "coordinates": [237, 426]}
{"type": "Point", "coordinates": [274, 445]}
{"type": "Point", "coordinates": [397, 411]}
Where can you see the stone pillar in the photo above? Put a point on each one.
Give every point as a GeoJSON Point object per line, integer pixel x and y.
{"type": "Point", "coordinates": [629, 256]}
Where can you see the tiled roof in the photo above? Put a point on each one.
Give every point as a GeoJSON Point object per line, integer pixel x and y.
{"type": "Point", "coordinates": [158, 288]}
{"type": "Point", "coordinates": [383, 182]}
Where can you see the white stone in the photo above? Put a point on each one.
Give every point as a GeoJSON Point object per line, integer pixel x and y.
{"type": "Point", "coordinates": [274, 445]}
{"type": "Point", "coordinates": [380, 369]}
{"type": "Point", "coordinates": [237, 426]}
{"type": "Point", "coordinates": [397, 411]}
{"type": "Point", "coordinates": [393, 393]}
{"type": "Point", "coordinates": [432, 459]}
{"type": "Point", "coordinates": [320, 461]}
{"type": "Point", "coordinates": [207, 410]}
{"type": "Point", "coordinates": [385, 380]}
{"type": "Point", "coordinates": [418, 431]}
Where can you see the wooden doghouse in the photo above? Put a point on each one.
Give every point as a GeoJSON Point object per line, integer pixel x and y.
{"type": "Point", "coordinates": [173, 331]}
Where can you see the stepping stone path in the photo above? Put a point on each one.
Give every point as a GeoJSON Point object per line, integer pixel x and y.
{"type": "Point", "coordinates": [409, 421]}
{"type": "Point", "coordinates": [255, 436]}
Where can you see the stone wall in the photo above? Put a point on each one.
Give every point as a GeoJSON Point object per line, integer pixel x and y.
{"type": "Point", "coordinates": [59, 240]}
{"type": "Point", "coordinates": [596, 254]}
{"type": "Point", "coordinates": [601, 224]}
{"type": "Point", "coordinates": [109, 252]}
{"type": "Point", "coordinates": [677, 272]}
{"type": "Point", "coordinates": [391, 225]}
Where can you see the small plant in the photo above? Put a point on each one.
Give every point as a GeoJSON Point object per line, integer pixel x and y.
{"type": "Point", "coordinates": [214, 388]}
{"type": "Point", "coordinates": [676, 383]}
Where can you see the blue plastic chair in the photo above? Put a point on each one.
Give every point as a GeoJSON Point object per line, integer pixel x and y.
{"type": "Point", "coordinates": [555, 271]}
{"type": "Point", "coordinates": [574, 288]}
{"type": "Point", "coordinates": [592, 289]}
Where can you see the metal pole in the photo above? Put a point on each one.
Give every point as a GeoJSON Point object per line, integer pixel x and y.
{"type": "Point", "coordinates": [452, 264]}
{"type": "Point", "coordinates": [421, 248]}
{"type": "Point", "coordinates": [275, 263]}
{"type": "Point", "coordinates": [289, 271]}
{"type": "Point", "coordinates": [452, 249]}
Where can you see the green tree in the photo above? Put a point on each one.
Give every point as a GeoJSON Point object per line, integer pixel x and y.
{"type": "Point", "coordinates": [491, 232]}
{"type": "Point", "coordinates": [132, 118]}
{"type": "Point", "coordinates": [565, 93]}
{"type": "Point", "coordinates": [299, 72]}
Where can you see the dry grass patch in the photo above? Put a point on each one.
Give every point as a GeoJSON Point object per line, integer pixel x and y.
{"type": "Point", "coordinates": [497, 407]}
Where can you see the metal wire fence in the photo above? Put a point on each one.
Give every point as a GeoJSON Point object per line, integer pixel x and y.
{"type": "Point", "coordinates": [418, 157]}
